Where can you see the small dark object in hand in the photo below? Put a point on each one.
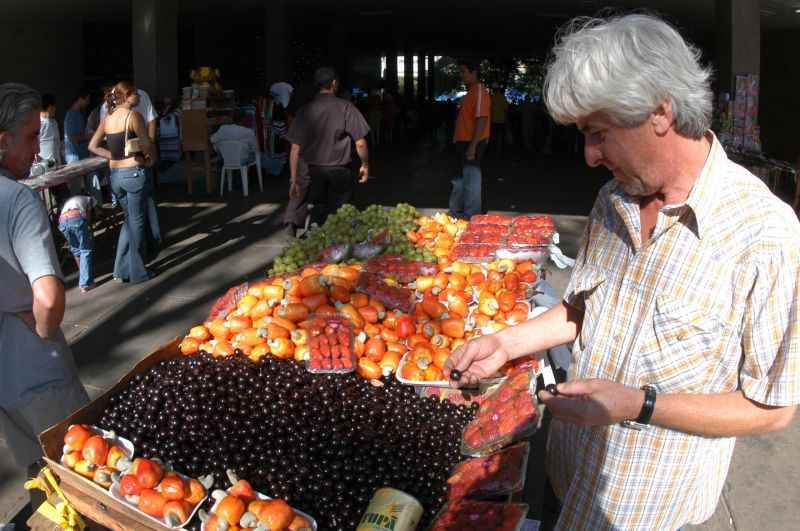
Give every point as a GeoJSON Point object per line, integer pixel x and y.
{"type": "Point", "coordinates": [551, 388]}
{"type": "Point", "coordinates": [455, 375]}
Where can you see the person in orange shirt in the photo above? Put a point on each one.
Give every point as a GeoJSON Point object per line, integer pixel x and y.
{"type": "Point", "coordinates": [471, 138]}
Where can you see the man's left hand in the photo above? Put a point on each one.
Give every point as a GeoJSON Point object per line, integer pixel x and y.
{"type": "Point", "coordinates": [363, 174]}
{"type": "Point", "coordinates": [594, 402]}
{"type": "Point", "coordinates": [471, 152]}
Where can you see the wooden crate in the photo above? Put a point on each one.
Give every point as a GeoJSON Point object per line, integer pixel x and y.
{"type": "Point", "coordinates": [89, 498]}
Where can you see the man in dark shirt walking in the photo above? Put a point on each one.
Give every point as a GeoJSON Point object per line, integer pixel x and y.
{"type": "Point", "coordinates": [321, 133]}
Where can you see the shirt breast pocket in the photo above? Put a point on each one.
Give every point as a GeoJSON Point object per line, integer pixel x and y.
{"type": "Point", "coordinates": [681, 356]}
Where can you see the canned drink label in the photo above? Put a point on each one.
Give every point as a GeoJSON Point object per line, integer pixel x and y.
{"type": "Point", "coordinates": [391, 510]}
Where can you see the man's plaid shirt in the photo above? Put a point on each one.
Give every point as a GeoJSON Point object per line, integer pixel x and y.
{"type": "Point", "coordinates": [708, 306]}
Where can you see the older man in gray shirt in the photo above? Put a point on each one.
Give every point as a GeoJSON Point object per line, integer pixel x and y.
{"type": "Point", "coordinates": [39, 383]}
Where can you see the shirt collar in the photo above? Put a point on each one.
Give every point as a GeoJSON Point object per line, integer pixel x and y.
{"type": "Point", "coordinates": [705, 190]}
{"type": "Point", "coordinates": [701, 199]}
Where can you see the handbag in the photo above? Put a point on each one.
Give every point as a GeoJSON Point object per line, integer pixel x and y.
{"type": "Point", "coordinates": [132, 147]}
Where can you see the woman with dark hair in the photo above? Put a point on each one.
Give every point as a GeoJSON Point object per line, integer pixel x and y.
{"type": "Point", "coordinates": [129, 152]}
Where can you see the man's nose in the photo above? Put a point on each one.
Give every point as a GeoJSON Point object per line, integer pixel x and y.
{"type": "Point", "coordinates": [593, 155]}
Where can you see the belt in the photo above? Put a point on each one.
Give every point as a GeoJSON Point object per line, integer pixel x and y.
{"type": "Point", "coordinates": [70, 214]}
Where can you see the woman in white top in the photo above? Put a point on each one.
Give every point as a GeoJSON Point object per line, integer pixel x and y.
{"type": "Point", "coordinates": [49, 137]}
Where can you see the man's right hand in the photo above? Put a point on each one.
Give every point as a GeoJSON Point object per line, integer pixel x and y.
{"type": "Point", "coordinates": [363, 173]}
{"type": "Point", "coordinates": [476, 360]}
{"type": "Point", "coordinates": [294, 190]}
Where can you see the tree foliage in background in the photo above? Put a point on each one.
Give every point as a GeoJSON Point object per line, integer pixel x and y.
{"type": "Point", "coordinates": [517, 74]}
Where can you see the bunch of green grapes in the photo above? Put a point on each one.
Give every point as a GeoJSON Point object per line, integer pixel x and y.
{"type": "Point", "coordinates": [349, 225]}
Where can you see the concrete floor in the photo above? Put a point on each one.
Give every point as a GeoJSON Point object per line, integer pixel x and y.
{"type": "Point", "coordinates": [213, 244]}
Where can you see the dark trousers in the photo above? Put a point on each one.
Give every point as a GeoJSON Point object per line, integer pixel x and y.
{"type": "Point", "coordinates": [498, 137]}
{"type": "Point", "coordinates": [297, 209]}
{"type": "Point", "coordinates": [331, 187]}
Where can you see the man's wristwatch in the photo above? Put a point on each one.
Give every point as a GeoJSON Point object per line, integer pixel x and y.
{"type": "Point", "coordinates": [646, 412]}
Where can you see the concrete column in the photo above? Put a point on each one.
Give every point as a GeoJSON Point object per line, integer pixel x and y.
{"type": "Point", "coordinates": [276, 36]}
{"type": "Point", "coordinates": [422, 93]}
{"type": "Point", "coordinates": [431, 81]}
{"type": "Point", "coordinates": [738, 24]}
{"type": "Point", "coordinates": [154, 32]}
{"type": "Point", "coordinates": [391, 71]}
{"type": "Point", "coordinates": [408, 79]}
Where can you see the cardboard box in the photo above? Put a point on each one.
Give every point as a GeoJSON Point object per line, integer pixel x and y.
{"type": "Point", "coordinates": [88, 498]}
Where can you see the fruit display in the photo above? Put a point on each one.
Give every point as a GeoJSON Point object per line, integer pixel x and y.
{"type": "Point", "coordinates": [242, 507]}
{"type": "Point", "coordinates": [161, 494]}
{"type": "Point", "coordinates": [498, 474]}
{"type": "Point", "coordinates": [349, 226]}
{"type": "Point", "coordinates": [322, 442]}
{"type": "Point", "coordinates": [468, 515]}
{"type": "Point", "coordinates": [96, 454]}
{"type": "Point", "coordinates": [505, 416]}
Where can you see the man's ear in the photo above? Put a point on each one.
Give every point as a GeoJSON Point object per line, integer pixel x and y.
{"type": "Point", "coordinates": [5, 140]}
{"type": "Point", "coordinates": [662, 118]}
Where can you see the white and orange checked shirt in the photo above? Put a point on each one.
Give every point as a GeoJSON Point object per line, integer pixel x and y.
{"type": "Point", "coordinates": [709, 305]}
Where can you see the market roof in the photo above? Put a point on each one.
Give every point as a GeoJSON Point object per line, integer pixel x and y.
{"type": "Point", "coordinates": [775, 14]}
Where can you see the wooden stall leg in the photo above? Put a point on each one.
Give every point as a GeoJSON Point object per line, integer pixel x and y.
{"type": "Point", "coordinates": [187, 171]}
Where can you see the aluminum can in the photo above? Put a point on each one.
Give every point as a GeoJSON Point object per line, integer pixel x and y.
{"type": "Point", "coordinates": [391, 510]}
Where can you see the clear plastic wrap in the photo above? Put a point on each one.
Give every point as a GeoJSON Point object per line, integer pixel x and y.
{"type": "Point", "coordinates": [529, 239]}
{"type": "Point", "coordinates": [474, 253]}
{"type": "Point", "coordinates": [507, 415]}
{"type": "Point", "coordinates": [225, 304]}
{"type": "Point", "coordinates": [486, 229]}
{"type": "Point", "coordinates": [393, 297]}
{"type": "Point", "coordinates": [404, 271]}
{"type": "Point", "coordinates": [542, 221]}
{"type": "Point", "coordinates": [481, 237]}
{"type": "Point", "coordinates": [491, 219]}
{"type": "Point", "coordinates": [468, 515]}
{"type": "Point", "coordinates": [536, 254]}
{"type": "Point", "coordinates": [330, 345]}
{"type": "Point", "coordinates": [499, 474]}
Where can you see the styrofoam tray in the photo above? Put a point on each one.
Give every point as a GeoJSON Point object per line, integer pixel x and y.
{"type": "Point", "coordinates": [264, 497]}
{"type": "Point", "coordinates": [117, 495]}
{"type": "Point", "coordinates": [123, 443]}
{"type": "Point", "coordinates": [403, 361]}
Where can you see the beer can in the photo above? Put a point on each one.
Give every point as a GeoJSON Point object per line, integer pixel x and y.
{"type": "Point", "coordinates": [391, 510]}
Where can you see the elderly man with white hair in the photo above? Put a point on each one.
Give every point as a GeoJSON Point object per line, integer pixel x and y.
{"type": "Point", "coordinates": [683, 304]}
{"type": "Point", "coordinates": [39, 383]}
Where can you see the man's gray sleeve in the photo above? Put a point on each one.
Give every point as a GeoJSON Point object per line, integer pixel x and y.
{"type": "Point", "coordinates": [32, 239]}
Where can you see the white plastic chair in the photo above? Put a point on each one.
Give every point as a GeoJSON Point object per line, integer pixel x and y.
{"type": "Point", "coordinates": [233, 152]}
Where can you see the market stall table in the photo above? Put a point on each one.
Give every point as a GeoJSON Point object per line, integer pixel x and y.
{"type": "Point", "coordinates": [319, 378]}
{"type": "Point", "coordinates": [63, 175]}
